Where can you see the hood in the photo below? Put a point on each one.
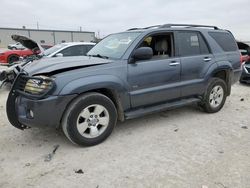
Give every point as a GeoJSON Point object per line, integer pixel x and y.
{"type": "Point", "coordinates": [52, 66]}
{"type": "Point", "coordinates": [27, 42]}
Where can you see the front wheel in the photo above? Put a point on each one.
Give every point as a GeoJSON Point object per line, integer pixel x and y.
{"type": "Point", "coordinates": [12, 58]}
{"type": "Point", "coordinates": [89, 119]}
{"type": "Point", "coordinates": [215, 96]}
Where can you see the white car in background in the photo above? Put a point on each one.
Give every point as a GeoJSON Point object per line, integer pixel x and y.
{"type": "Point", "coordinates": [16, 46]}
{"type": "Point", "coordinates": [59, 50]}
{"type": "Point", "coordinates": [69, 49]}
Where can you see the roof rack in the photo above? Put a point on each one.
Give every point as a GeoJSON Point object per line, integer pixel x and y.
{"type": "Point", "coordinates": [188, 26]}
{"type": "Point", "coordinates": [175, 25]}
{"type": "Point", "coordinates": [149, 27]}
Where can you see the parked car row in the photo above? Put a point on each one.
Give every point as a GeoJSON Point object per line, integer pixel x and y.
{"type": "Point", "coordinates": [26, 47]}
{"type": "Point", "coordinates": [35, 51]}
{"type": "Point", "coordinates": [245, 55]}
{"type": "Point", "coordinates": [126, 75]}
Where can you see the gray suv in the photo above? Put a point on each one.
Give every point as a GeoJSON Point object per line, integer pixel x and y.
{"type": "Point", "coordinates": [126, 75]}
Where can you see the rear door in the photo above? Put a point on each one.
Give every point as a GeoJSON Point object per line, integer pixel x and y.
{"type": "Point", "coordinates": [196, 59]}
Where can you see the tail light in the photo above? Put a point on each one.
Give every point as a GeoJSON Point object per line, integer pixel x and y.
{"type": "Point", "coordinates": [242, 59]}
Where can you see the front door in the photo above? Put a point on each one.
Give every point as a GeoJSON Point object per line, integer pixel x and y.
{"type": "Point", "coordinates": [156, 80]}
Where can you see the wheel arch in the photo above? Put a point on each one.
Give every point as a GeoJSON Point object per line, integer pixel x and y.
{"type": "Point", "coordinates": [224, 71]}
{"type": "Point", "coordinates": [111, 94]}
{"type": "Point", "coordinates": [12, 55]}
{"type": "Point", "coordinates": [224, 74]}
{"type": "Point", "coordinates": [110, 86]}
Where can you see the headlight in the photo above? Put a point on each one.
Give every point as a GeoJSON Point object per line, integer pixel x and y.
{"type": "Point", "coordinates": [38, 85]}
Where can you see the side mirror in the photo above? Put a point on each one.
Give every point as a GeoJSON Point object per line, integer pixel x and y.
{"type": "Point", "coordinates": [59, 55]}
{"type": "Point", "coordinates": [143, 53]}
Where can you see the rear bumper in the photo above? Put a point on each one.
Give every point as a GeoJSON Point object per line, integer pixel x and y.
{"type": "Point", "coordinates": [23, 112]}
{"type": "Point", "coordinates": [236, 75]}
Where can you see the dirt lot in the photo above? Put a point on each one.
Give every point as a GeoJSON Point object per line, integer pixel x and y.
{"type": "Point", "coordinates": [182, 148]}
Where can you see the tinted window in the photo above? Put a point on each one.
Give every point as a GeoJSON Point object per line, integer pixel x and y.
{"type": "Point", "coordinates": [192, 43]}
{"type": "Point", "coordinates": [203, 45]}
{"type": "Point", "coordinates": [225, 41]}
{"type": "Point", "coordinates": [86, 48]}
{"type": "Point", "coordinates": [89, 47]}
{"type": "Point", "coordinates": [53, 49]}
{"type": "Point", "coordinates": [73, 51]}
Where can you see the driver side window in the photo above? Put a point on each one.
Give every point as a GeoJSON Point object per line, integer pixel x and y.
{"type": "Point", "coordinates": [161, 44]}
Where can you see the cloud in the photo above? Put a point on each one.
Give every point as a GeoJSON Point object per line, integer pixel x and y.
{"type": "Point", "coordinates": [114, 15]}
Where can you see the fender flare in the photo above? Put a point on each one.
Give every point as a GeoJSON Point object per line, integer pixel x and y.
{"type": "Point", "coordinates": [92, 83]}
{"type": "Point", "coordinates": [222, 66]}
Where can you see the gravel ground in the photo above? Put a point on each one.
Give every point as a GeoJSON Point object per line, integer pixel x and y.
{"type": "Point", "coordinates": [182, 148]}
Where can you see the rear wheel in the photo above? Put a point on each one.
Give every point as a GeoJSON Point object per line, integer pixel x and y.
{"type": "Point", "coordinates": [13, 58]}
{"type": "Point", "coordinates": [89, 119]}
{"type": "Point", "coordinates": [215, 96]}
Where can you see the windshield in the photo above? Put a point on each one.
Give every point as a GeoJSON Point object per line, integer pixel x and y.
{"type": "Point", "coordinates": [113, 46]}
{"type": "Point", "coordinates": [53, 49]}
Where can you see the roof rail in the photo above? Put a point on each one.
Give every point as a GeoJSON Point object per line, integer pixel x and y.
{"type": "Point", "coordinates": [175, 25]}
{"type": "Point", "coordinates": [149, 27]}
{"type": "Point", "coordinates": [153, 26]}
{"type": "Point", "coordinates": [134, 29]}
{"type": "Point", "coordinates": [187, 25]}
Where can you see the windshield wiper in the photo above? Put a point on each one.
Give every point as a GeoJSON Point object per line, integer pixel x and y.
{"type": "Point", "coordinates": [100, 56]}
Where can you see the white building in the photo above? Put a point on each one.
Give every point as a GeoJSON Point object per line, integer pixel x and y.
{"type": "Point", "coordinates": [48, 37]}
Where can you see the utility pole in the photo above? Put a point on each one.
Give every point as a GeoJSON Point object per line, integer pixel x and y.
{"type": "Point", "coordinates": [80, 28]}
{"type": "Point", "coordinates": [98, 34]}
{"type": "Point", "coordinates": [37, 25]}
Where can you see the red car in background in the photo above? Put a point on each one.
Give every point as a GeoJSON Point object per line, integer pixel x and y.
{"type": "Point", "coordinates": [10, 56]}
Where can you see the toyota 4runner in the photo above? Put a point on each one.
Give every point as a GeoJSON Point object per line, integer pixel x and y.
{"type": "Point", "coordinates": [126, 75]}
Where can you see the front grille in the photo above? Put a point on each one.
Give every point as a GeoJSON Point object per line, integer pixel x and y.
{"type": "Point", "coordinates": [248, 69]}
{"type": "Point", "coordinates": [21, 82]}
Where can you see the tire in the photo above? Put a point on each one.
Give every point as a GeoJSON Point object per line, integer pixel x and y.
{"type": "Point", "coordinates": [215, 96]}
{"type": "Point", "coordinates": [12, 58]}
{"type": "Point", "coordinates": [89, 119]}
{"type": "Point", "coordinates": [13, 48]}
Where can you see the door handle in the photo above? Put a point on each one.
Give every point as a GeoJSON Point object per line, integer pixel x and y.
{"type": "Point", "coordinates": [206, 59]}
{"type": "Point", "coordinates": [174, 63]}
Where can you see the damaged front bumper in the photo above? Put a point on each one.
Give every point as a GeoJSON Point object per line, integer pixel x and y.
{"type": "Point", "coordinates": [24, 111]}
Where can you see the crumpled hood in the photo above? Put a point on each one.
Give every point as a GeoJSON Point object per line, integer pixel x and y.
{"type": "Point", "coordinates": [61, 64]}
{"type": "Point", "coordinates": [27, 42]}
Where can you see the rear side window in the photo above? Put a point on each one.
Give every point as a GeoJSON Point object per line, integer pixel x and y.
{"type": "Point", "coordinates": [192, 43]}
{"type": "Point", "coordinates": [225, 41]}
